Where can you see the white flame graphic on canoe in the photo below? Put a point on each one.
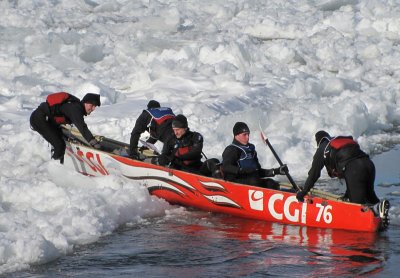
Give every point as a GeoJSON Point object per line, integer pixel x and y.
{"type": "Point", "coordinates": [159, 179]}
{"type": "Point", "coordinates": [218, 199]}
{"type": "Point", "coordinates": [222, 200]}
{"type": "Point", "coordinates": [155, 179]}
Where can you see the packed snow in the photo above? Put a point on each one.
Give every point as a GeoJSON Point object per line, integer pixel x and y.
{"type": "Point", "coordinates": [295, 67]}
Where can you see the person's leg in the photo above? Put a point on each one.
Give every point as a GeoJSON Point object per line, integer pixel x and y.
{"type": "Point", "coordinates": [381, 207]}
{"type": "Point", "coordinates": [360, 176]}
{"type": "Point", "coordinates": [49, 132]}
{"type": "Point", "coordinates": [370, 169]}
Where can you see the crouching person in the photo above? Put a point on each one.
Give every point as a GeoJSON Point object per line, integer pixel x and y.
{"type": "Point", "coordinates": [157, 121]}
{"type": "Point", "coordinates": [183, 150]}
{"type": "Point", "coordinates": [240, 162]}
{"type": "Point", "coordinates": [63, 108]}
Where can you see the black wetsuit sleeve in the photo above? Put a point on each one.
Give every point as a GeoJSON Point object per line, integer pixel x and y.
{"type": "Point", "coordinates": [74, 112]}
{"type": "Point", "coordinates": [267, 173]}
{"type": "Point", "coordinates": [140, 126]}
{"type": "Point", "coordinates": [230, 157]}
{"type": "Point", "coordinates": [168, 146]}
{"type": "Point", "coordinates": [317, 164]}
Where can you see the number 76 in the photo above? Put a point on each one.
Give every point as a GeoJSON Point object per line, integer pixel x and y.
{"type": "Point", "coordinates": [324, 211]}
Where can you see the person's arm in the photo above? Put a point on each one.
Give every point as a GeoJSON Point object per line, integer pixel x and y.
{"type": "Point", "coordinates": [140, 127]}
{"type": "Point", "coordinates": [230, 157]}
{"type": "Point", "coordinates": [267, 172]}
{"type": "Point", "coordinates": [314, 173]}
{"type": "Point", "coordinates": [74, 111]}
{"type": "Point", "coordinates": [281, 170]}
{"type": "Point", "coordinates": [167, 156]}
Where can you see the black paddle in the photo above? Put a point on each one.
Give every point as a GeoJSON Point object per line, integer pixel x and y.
{"type": "Point", "coordinates": [265, 139]}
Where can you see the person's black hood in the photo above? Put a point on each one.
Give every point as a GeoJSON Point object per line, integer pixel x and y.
{"type": "Point", "coordinates": [92, 98]}
{"type": "Point", "coordinates": [322, 135]}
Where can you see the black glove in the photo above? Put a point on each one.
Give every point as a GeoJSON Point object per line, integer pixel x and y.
{"type": "Point", "coordinates": [163, 160]}
{"type": "Point", "coordinates": [95, 144]}
{"type": "Point", "coordinates": [282, 170]}
{"type": "Point", "coordinates": [300, 195]}
{"type": "Point", "coordinates": [243, 171]}
{"type": "Point", "coordinates": [134, 154]}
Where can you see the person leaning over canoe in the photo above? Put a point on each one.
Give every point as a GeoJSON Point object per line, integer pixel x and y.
{"type": "Point", "coordinates": [157, 121]}
{"type": "Point", "coordinates": [240, 162]}
{"type": "Point", "coordinates": [63, 108]}
{"type": "Point", "coordinates": [183, 150]}
{"type": "Point", "coordinates": [343, 158]}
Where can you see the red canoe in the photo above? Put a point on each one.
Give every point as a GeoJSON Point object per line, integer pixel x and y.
{"type": "Point", "coordinates": [321, 209]}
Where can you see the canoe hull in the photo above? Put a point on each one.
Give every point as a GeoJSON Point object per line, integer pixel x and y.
{"type": "Point", "coordinates": [216, 195]}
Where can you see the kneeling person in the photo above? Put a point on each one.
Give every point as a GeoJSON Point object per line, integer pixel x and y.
{"type": "Point", "coordinates": [240, 162]}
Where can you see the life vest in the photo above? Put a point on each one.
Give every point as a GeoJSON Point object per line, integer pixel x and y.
{"type": "Point", "coordinates": [184, 145]}
{"type": "Point", "coordinates": [161, 114]}
{"type": "Point", "coordinates": [184, 150]}
{"type": "Point", "coordinates": [247, 157]}
{"type": "Point", "coordinates": [158, 116]}
{"type": "Point", "coordinates": [338, 151]}
{"type": "Point", "coordinates": [54, 101]}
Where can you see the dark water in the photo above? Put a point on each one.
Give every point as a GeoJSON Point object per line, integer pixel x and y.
{"type": "Point", "coordinates": [199, 244]}
{"type": "Point", "coordinates": [228, 247]}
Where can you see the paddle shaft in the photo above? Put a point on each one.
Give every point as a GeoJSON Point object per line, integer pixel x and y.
{"type": "Point", "coordinates": [295, 186]}
{"type": "Point", "coordinates": [75, 134]}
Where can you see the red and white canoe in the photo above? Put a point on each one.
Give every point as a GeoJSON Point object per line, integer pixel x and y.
{"type": "Point", "coordinates": [321, 209]}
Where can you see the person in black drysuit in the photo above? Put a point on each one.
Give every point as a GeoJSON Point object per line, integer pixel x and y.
{"type": "Point", "coordinates": [183, 150]}
{"type": "Point", "coordinates": [157, 121]}
{"type": "Point", "coordinates": [240, 162]}
{"type": "Point", "coordinates": [352, 164]}
{"type": "Point", "coordinates": [43, 121]}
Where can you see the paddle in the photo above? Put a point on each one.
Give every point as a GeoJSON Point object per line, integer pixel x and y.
{"type": "Point", "coordinates": [73, 133]}
{"type": "Point", "coordinates": [266, 141]}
